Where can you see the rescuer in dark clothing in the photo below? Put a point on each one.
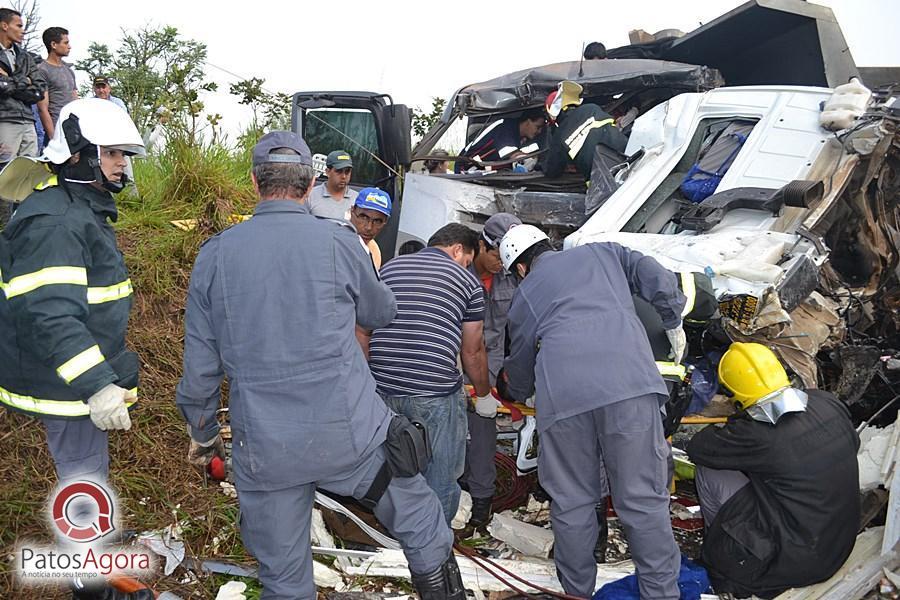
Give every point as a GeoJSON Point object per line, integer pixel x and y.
{"type": "Point", "coordinates": [778, 483]}
{"type": "Point", "coordinates": [576, 130]}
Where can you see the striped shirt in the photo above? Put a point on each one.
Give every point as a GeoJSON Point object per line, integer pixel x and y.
{"type": "Point", "coordinates": [416, 354]}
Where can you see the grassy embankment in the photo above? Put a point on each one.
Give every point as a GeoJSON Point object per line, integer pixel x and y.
{"type": "Point", "coordinates": [155, 485]}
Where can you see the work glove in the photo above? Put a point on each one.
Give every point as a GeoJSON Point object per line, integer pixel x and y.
{"type": "Point", "coordinates": [201, 454]}
{"type": "Point", "coordinates": [486, 406]}
{"type": "Point", "coordinates": [107, 407]}
{"type": "Point", "coordinates": [233, 590]}
{"type": "Point", "coordinates": [678, 341]}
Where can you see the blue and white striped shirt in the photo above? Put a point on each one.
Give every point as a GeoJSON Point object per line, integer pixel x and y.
{"type": "Point", "coordinates": [416, 354]}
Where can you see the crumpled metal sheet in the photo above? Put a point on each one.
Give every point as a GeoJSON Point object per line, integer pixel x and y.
{"type": "Point", "coordinates": [530, 87]}
{"type": "Point", "coordinates": [796, 337]}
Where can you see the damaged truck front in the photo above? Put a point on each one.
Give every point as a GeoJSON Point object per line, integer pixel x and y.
{"type": "Point", "coordinates": [800, 237]}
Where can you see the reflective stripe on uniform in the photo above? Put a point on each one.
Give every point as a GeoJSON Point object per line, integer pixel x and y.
{"type": "Point", "coordinates": [99, 295]}
{"type": "Point", "coordinates": [671, 369]}
{"type": "Point", "coordinates": [53, 181]}
{"type": "Point", "coordinates": [46, 276]}
{"type": "Point", "coordinates": [576, 140]}
{"type": "Point", "coordinates": [81, 362]}
{"type": "Point", "coordinates": [57, 408]}
{"type": "Point", "coordinates": [689, 289]}
{"type": "Point", "coordinates": [506, 151]}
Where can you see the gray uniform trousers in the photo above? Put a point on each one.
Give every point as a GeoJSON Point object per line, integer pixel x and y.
{"type": "Point", "coordinates": [627, 438]}
{"type": "Point", "coordinates": [714, 488]}
{"type": "Point", "coordinates": [481, 472]}
{"type": "Point", "coordinates": [275, 526]}
{"type": "Point", "coordinates": [78, 448]}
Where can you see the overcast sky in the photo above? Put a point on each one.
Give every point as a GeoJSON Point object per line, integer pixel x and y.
{"type": "Point", "coordinates": [415, 50]}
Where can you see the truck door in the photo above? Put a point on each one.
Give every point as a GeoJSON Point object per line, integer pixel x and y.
{"type": "Point", "coordinates": [374, 130]}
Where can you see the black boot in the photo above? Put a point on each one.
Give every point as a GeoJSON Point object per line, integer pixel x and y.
{"type": "Point", "coordinates": [481, 512]}
{"type": "Point", "coordinates": [600, 546]}
{"type": "Point", "coordinates": [444, 583]}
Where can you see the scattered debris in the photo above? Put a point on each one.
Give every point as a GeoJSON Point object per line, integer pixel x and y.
{"type": "Point", "coordinates": [233, 590]}
{"type": "Point", "coordinates": [392, 563]}
{"type": "Point", "coordinates": [876, 451]}
{"type": "Point", "coordinates": [463, 512]}
{"type": "Point", "coordinates": [528, 539]}
{"type": "Point", "coordinates": [862, 571]}
{"type": "Point", "coordinates": [166, 543]}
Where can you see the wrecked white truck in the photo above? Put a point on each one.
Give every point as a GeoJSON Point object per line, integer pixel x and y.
{"type": "Point", "coordinates": [800, 237]}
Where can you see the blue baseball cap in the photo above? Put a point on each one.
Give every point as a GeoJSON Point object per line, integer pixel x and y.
{"type": "Point", "coordinates": [374, 199]}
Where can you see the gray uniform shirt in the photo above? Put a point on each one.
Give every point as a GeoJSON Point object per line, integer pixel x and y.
{"type": "Point", "coordinates": [496, 308]}
{"type": "Point", "coordinates": [273, 303]}
{"type": "Point", "coordinates": [322, 204]}
{"type": "Point", "coordinates": [574, 336]}
{"type": "Point", "coordinates": [60, 86]}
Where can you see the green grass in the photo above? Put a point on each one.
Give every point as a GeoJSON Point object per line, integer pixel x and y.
{"type": "Point", "coordinates": [155, 485]}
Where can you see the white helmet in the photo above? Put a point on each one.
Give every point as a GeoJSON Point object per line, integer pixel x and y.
{"type": "Point", "coordinates": [516, 241]}
{"type": "Point", "coordinates": [90, 122]}
{"type": "Point", "coordinates": [99, 123]}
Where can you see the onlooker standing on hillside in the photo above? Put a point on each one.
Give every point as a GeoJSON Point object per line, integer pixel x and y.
{"type": "Point", "coordinates": [334, 197]}
{"type": "Point", "coordinates": [60, 79]}
{"type": "Point", "coordinates": [22, 85]}
{"type": "Point", "coordinates": [104, 92]}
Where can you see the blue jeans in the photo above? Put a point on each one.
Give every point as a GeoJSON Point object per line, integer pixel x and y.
{"type": "Point", "coordinates": [445, 419]}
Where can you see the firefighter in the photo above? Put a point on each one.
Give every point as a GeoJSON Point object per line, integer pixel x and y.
{"type": "Point", "coordinates": [67, 296]}
{"type": "Point", "coordinates": [576, 341]}
{"type": "Point", "coordinates": [576, 129]}
{"type": "Point", "coordinates": [778, 483]}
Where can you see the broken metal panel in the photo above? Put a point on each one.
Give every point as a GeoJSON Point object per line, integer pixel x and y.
{"type": "Point", "coordinates": [529, 87]}
{"type": "Point", "coordinates": [763, 42]}
{"type": "Point", "coordinates": [543, 208]}
{"type": "Point", "coordinates": [798, 336]}
{"type": "Point", "coordinates": [860, 573]}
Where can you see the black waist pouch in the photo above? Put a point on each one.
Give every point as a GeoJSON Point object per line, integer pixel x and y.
{"type": "Point", "coordinates": [406, 448]}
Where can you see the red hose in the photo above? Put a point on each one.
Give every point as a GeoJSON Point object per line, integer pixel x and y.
{"type": "Point", "coordinates": [482, 562]}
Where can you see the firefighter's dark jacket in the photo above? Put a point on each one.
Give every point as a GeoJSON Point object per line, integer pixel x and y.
{"type": "Point", "coordinates": [578, 131]}
{"type": "Point", "coordinates": [65, 303]}
{"type": "Point", "coordinates": [795, 523]}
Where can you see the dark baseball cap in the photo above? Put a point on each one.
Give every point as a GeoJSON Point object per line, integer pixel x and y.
{"type": "Point", "coordinates": [497, 226]}
{"type": "Point", "coordinates": [274, 140]}
{"type": "Point", "coordinates": [101, 80]}
{"type": "Point", "coordinates": [339, 159]}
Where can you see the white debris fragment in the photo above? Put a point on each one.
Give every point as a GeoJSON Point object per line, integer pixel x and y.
{"type": "Point", "coordinates": [233, 590]}
{"type": "Point", "coordinates": [326, 577]}
{"type": "Point", "coordinates": [873, 446]}
{"type": "Point", "coordinates": [228, 489]}
{"type": "Point", "coordinates": [527, 539]}
{"type": "Point", "coordinates": [167, 545]}
{"type": "Point", "coordinates": [463, 512]}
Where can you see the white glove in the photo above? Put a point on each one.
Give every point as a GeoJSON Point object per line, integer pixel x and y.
{"type": "Point", "coordinates": [486, 406]}
{"type": "Point", "coordinates": [233, 590]}
{"type": "Point", "coordinates": [108, 410]}
{"type": "Point", "coordinates": [678, 341]}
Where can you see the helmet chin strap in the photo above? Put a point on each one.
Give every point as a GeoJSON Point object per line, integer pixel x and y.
{"type": "Point", "coordinates": [87, 170]}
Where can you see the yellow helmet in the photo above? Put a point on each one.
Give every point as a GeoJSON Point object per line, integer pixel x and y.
{"type": "Point", "coordinates": [751, 371]}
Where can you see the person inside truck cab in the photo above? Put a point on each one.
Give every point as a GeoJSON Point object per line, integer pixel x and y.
{"type": "Point", "coordinates": [334, 197]}
{"type": "Point", "coordinates": [576, 129]}
{"type": "Point", "coordinates": [503, 140]}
